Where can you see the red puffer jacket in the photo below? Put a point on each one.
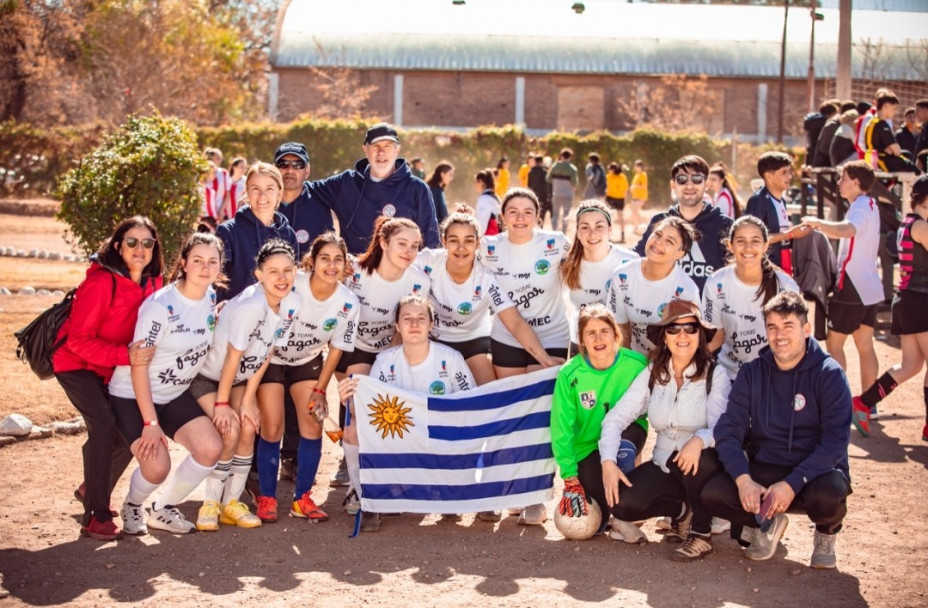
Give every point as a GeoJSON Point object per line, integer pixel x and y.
{"type": "Point", "coordinates": [102, 322]}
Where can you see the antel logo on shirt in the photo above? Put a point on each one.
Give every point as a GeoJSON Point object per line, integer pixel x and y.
{"type": "Point", "coordinates": [389, 210]}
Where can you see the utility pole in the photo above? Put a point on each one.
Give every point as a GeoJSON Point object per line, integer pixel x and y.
{"type": "Point", "coordinates": [843, 81]}
{"type": "Point", "coordinates": [782, 93]}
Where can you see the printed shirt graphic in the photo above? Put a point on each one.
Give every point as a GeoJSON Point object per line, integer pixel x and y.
{"type": "Point", "coordinates": [462, 310]}
{"type": "Point", "coordinates": [733, 307]}
{"type": "Point", "coordinates": [182, 331]}
{"type": "Point", "coordinates": [332, 321]}
{"type": "Point", "coordinates": [634, 299]}
{"type": "Point", "coordinates": [443, 372]}
{"type": "Point", "coordinates": [595, 279]}
{"type": "Point", "coordinates": [857, 256]}
{"type": "Point", "coordinates": [378, 299]}
{"type": "Point", "coordinates": [249, 325]}
{"type": "Point", "coordinates": [530, 274]}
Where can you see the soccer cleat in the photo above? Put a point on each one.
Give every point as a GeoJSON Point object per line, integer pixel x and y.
{"type": "Point", "coordinates": [287, 469]}
{"type": "Point", "coordinates": [133, 519]}
{"type": "Point", "coordinates": [267, 509]}
{"type": "Point", "coordinates": [101, 530]}
{"type": "Point", "coordinates": [370, 522]}
{"type": "Point", "coordinates": [236, 513]}
{"type": "Point", "coordinates": [765, 544]}
{"type": "Point", "coordinates": [680, 528]}
{"type": "Point", "coordinates": [693, 548]}
{"type": "Point", "coordinates": [340, 479]}
{"type": "Point", "coordinates": [533, 515]}
{"type": "Point", "coordinates": [169, 519]}
{"type": "Point", "coordinates": [720, 525]}
{"type": "Point", "coordinates": [823, 555]}
{"type": "Point", "coordinates": [79, 497]}
{"type": "Point", "coordinates": [305, 508]}
{"type": "Point", "coordinates": [626, 532]}
{"type": "Point", "coordinates": [352, 503]}
{"type": "Point", "coordinates": [860, 416]}
{"type": "Point", "coordinates": [208, 516]}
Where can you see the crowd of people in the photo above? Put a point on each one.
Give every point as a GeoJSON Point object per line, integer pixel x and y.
{"type": "Point", "coordinates": [700, 333]}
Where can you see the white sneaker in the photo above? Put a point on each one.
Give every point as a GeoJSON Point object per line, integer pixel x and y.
{"type": "Point", "coordinates": [627, 532]}
{"type": "Point", "coordinates": [533, 515]}
{"type": "Point", "coordinates": [169, 519]}
{"type": "Point", "coordinates": [720, 525]}
{"type": "Point", "coordinates": [133, 519]}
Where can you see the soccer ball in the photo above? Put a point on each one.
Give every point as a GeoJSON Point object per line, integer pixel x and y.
{"type": "Point", "coordinates": [579, 528]}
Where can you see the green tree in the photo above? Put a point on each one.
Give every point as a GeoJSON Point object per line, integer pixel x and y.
{"type": "Point", "coordinates": [148, 167]}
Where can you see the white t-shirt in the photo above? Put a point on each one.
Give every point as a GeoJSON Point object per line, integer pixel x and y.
{"type": "Point", "coordinates": [595, 278]}
{"type": "Point", "coordinates": [636, 300]}
{"type": "Point", "coordinates": [443, 372]}
{"type": "Point", "coordinates": [378, 298]}
{"type": "Point", "coordinates": [724, 201]}
{"type": "Point", "coordinates": [249, 325]}
{"type": "Point", "coordinates": [530, 274]}
{"type": "Point", "coordinates": [462, 310]}
{"type": "Point", "coordinates": [780, 206]}
{"type": "Point", "coordinates": [317, 323]}
{"type": "Point", "coordinates": [734, 308]}
{"type": "Point", "coordinates": [487, 207]}
{"type": "Point", "coordinates": [182, 331]}
{"type": "Point", "coordinates": [857, 256]}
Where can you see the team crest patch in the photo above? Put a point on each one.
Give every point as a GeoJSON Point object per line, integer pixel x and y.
{"type": "Point", "coordinates": [329, 324]}
{"type": "Point", "coordinates": [799, 403]}
{"type": "Point", "coordinates": [211, 322]}
{"type": "Point", "coordinates": [346, 307]}
{"type": "Point", "coordinates": [477, 292]}
{"type": "Point", "coordinates": [389, 210]}
{"type": "Point", "coordinates": [678, 292]}
{"type": "Point", "coordinates": [491, 249]}
{"type": "Point", "coordinates": [550, 243]}
{"type": "Point", "coordinates": [542, 266]}
{"type": "Point", "coordinates": [437, 388]}
{"type": "Point", "coordinates": [427, 269]}
{"type": "Point", "coordinates": [465, 308]}
{"type": "Point", "coordinates": [302, 236]}
{"type": "Point", "coordinates": [390, 416]}
{"type": "Point", "coordinates": [623, 278]}
{"type": "Point", "coordinates": [416, 288]}
{"type": "Point", "coordinates": [660, 310]}
{"type": "Point", "coordinates": [588, 399]}
{"type": "Point", "coordinates": [279, 333]}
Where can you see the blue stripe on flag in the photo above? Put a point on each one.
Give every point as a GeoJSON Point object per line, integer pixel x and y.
{"type": "Point", "coordinates": [478, 460]}
{"type": "Point", "coordinates": [389, 491]}
{"type": "Point", "coordinates": [497, 400]}
{"type": "Point", "coordinates": [537, 420]}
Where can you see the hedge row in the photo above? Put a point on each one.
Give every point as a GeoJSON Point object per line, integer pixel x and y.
{"type": "Point", "coordinates": [32, 159]}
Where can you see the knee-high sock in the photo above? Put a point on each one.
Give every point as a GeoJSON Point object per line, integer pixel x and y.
{"type": "Point", "coordinates": [235, 485]}
{"type": "Point", "coordinates": [139, 488]}
{"type": "Point", "coordinates": [880, 389]}
{"type": "Point", "coordinates": [216, 481]}
{"type": "Point", "coordinates": [353, 462]}
{"type": "Point", "coordinates": [308, 455]}
{"type": "Point", "coordinates": [268, 458]}
{"type": "Point", "coordinates": [185, 480]}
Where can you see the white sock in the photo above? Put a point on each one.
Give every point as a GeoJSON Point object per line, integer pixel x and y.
{"type": "Point", "coordinates": [238, 476]}
{"type": "Point", "coordinates": [353, 463]}
{"type": "Point", "coordinates": [185, 480]}
{"type": "Point", "coordinates": [212, 488]}
{"type": "Point", "coordinates": [139, 488]}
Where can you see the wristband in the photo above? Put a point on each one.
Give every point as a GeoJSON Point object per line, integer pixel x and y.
{"type": "Point", "coordinates": [319, 391]}
{"type": "Point", "coordinates": [150, 422]}
{"type": "Point", "coordinates": [221, 404]}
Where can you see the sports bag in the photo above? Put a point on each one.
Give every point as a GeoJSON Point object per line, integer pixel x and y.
{"type": "Point", "coordinates": [36, 342]}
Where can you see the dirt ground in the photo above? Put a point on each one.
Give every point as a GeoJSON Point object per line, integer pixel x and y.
{"type": "Point", "coordinates": [434, 561]}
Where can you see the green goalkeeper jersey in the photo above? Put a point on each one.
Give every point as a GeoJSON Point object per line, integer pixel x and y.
{"type": "Point", "coordinates": [582, 396]}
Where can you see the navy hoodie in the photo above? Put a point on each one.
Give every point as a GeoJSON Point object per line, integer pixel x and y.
{"type": "Point", "coordinates": [358, 201]}
{"type": "Point", "coordinates": [799, 418]}
{"type": "Point", "coordinates": [308, 218]}
{"type": "Point", "coordinates": [708, 253]}
{"type": "Point", "coordinates": [242, 237]}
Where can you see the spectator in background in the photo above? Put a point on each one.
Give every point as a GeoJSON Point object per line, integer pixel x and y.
{"type": "Point", "coordinates": [639, 194]}
{"type": "Point", "coordinates": [776, 168]}
{"type": "Point", "coordinates": [209, 214]}
{"type": "Point", "coordinates": [831, 110]}
{"type": "Point", "coordinates": [616, 190]}
{"type": "Point", "coordinates": [237, 169]}
{"type": "Point", "coordinates": [502, 176]}
{"type": "Point", "coordinates": [220, 182]}
{"type": "Point", "coordinates": [524, 169]}
{"type": "Point", "coordinates": [812, 124]}
{"type": "Point", "coordinates": [921, 143]}
{"type": "Point", "coordinates": [907, 133]}
{"type": "Point", "coordinates": [538, 183]}
{"type": "Point", "coordinates": [439, 179]}
{"type": "Point", "coordinates": [724, 195]}
{"type": "Point", "coordinates": [880, 141]}
{"type": "Point", "coordinates": [417, 167]}
{"type": "Point", "coordinates": [842, 148]}
{"type": "Point", "coordinates": [307, 216]}
{"type": "Point", "coordinates": [487, 206]}
{"type": "Point", "coordinates": [563, 178]}
{"type": "Point", "coordinates": [595, 178]}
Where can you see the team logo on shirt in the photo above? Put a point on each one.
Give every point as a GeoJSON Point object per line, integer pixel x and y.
{"type": "Point", "coordinates": [437, 388]}
{"type": "Point", "coordinates": [623, 279]}
{"type": "Point", "coordinates": [416, 288]}
{"type": "Point", "coordinates": [588, 399]}
{"type": "Point", "coordinates": [678, 292]}
{"type": "Point", "coordinates": [542, 267]}
{"type": "Point", "coordinates": [389, 210]}
{"type": "Point", "coordinates": [465, 308]}
{"type": "Point", "coordinates": [660, 310]}
{"type": "Point", "coordinates": [550, 243]}
{"type": "Point", "coordinates": [329, 324]}
{"type": "Point", "coordinates": [427, 269]}
{"type": "Point", "coordinates": [718, 291]}
{"type": "Point", "coordinates": [491, 249]}
{"type": "Point", "coordinates": [799, 403]}
{"type": "Point", "coordinates": [302, 236]}
{"type": "Point", "coordinates": [444, 368]}
{"type": "Point", "coordinates": [211, 322]}
{"type": "Point", "coordinates": [478, 291]}
{"type": "Point", "coordinates": [608, 284]}
{"type": "Point", "coordinates": [346, 307]}
{"type": "Point", "coordinates": [279, 333]}
{"type": "Point", "coordinates": [170, 309]}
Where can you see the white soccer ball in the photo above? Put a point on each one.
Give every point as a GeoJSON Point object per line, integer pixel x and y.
{"type": "Point", "coordinates": [579, 528]}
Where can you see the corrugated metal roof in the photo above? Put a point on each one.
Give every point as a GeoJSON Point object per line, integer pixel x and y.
{"type": "Point", "coordinates": [608, 38]}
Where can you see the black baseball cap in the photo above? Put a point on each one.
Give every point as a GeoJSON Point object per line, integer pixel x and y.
{"type": "Point", "coordinates": [295, 148]}
{"type": "Point", "coordinates": [379, 132]}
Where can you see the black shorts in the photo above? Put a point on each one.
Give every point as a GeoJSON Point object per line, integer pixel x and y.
{"type": "Point", "coordinates": [202, 385]}
{"type": "Point", "coordinates": [291, 374]}
{"type": "Point", "coordinates": [358, 356]}
{"type": "Point", "coordinates": [616, 203]}
{"type": "Point", "coordinates": [846, 312]}
{"type": "Point", "coordinates": [470, 348]}
{"type": "Point", "coordinates": [516, 356]}
{"type": "Point", "coordinates": [171, 416]}
{"type": "Point", "coordinates": [909, 313]}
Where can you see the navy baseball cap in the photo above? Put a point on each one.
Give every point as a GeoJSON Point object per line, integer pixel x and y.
{"type": "Point", "coordinates": [295, 148]}
{"type": "Point", "coordinates": [379, 132]}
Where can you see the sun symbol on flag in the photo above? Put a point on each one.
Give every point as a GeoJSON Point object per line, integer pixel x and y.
{"type": "Point", "coordinates": [389, 416]}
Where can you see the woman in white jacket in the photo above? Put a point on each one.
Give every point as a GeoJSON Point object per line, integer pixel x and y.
{"type": "Point", "coordinates": [684, 393]}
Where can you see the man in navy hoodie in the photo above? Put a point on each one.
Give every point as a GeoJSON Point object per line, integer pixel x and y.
{"type": "Point", "coordinates": [688, 178]}
{"type": "Point", "coordinates": [783, 439]}
{"type": "Point", "coordinates": [380, 184]}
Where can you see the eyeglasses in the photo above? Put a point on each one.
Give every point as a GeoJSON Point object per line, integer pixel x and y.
{"type": "Point", "coordinates": [675, 328]}
{"type": "Point", "coordinates": [683, 178]}
{"type": "Point", "coordinates": [290, 164]}
{"type": "Point", "coordinates": [132, 242]}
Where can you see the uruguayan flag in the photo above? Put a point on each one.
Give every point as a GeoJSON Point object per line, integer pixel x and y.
{"type": "Point", "coordinates": [479, 450]}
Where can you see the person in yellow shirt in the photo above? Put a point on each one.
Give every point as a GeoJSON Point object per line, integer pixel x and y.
{"type": "Point", "coordinates": [502, 176]}
{"type": "Point", "coordinates": [524, 169]}
{"type": "Point", "coordinates": [639, 194]}
{"type": "Point", "coordinates": [616, 189]}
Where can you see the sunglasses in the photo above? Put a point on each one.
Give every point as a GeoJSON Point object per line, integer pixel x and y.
{"type": "Point", "coordinates": [683, 178]}
{"type": "Point", "coordinates": [132, 242]}
{"type": "Point", "coordinates": [290, 164]}
{"type": "Point", "coordinates": [675, 328]}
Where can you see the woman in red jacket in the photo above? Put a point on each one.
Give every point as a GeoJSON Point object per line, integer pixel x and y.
{"type": "Point", "coordinates": [125, 271]}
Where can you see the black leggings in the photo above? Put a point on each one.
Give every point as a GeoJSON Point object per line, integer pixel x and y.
{"type": "Point", "coordinates": [824, 499]}
{"type": "Point", "coordinates": [590, 470]}
{"type": "Point", "coordinates": [106, 454]}
{"type": "Point", "coordinates": [654, 492]}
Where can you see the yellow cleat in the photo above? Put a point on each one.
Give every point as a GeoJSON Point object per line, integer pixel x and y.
{"type": "Point", "coordinates": [208, 516]}
{"type": "Point", "coordinates": [236, 513]}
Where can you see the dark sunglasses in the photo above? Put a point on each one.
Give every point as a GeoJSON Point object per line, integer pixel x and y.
{"type": "Point", "coordinates": [291, 164]}
{"type": "Point", "coordinates": [675, 328]}
{"type": "Point", "coordinates": [682, 178]}
{"type": "Point", "coordinates": [132, 242]}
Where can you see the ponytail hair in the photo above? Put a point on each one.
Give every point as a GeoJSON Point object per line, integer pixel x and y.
{"type": "Point", "coordinates": [769, 284]}
{"type": "Point", "coordinates": [721, 171]}
{"type": "Point", "coordinates": [570, 267]}
{"type": "Point", "coordinates": [384, 229]}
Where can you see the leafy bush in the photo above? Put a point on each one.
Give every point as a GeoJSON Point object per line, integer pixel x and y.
{"type": "Point", "coordinates": [150, 167]}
